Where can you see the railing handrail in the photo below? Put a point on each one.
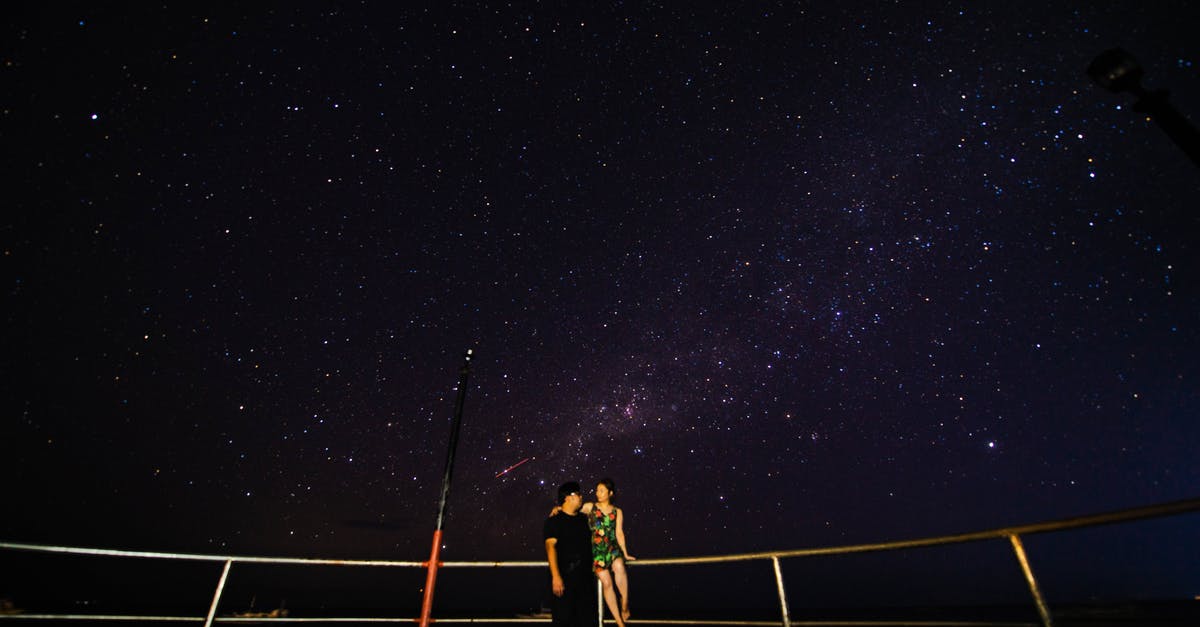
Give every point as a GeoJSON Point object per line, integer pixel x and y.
{"type": "Point", "coordinates": [1124, 515]}
{"type": "Point", "coordinates": [1012, 534]}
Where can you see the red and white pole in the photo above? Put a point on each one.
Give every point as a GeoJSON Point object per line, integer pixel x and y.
{"type": "Point", "coordinates": [433, 563]}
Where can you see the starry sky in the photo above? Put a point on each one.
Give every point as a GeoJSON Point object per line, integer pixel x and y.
{"type": "Point", "coordinates": [793, 274]}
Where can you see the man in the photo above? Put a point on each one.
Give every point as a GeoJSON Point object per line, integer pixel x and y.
{"type": "Point", "coordinates": [569, 551]}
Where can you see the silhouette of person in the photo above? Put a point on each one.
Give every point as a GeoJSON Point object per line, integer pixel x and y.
{"type": "Point", "coordinates": [569, 553]}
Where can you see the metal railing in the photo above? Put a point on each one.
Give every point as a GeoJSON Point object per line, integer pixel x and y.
{"type": "Point", "coordinates": [1012, 535]}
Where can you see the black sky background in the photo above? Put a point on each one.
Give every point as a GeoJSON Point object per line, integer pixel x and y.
{"type": "Point", "coordinates": [793, 275]}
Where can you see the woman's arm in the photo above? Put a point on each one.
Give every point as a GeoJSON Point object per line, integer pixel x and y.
{"type": "Point", "coordinates": [621, 535]}
{"type": "Point", "coordinates": [587, 509]}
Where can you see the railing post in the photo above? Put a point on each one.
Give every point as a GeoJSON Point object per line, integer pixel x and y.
{"type": "Point", "coordinates": [783, 606]}
{"type": "Point", "coordinates": [599, 602]}
{"type": "Point", "coordinates": [212, 609]}
{"type": "Point", "coordinates": [1019, 549]}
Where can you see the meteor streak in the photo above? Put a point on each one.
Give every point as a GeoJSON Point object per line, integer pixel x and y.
{"type": "Point", "coordinates": [507, 470]}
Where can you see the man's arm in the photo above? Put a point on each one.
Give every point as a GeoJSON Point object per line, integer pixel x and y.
{"type": "Point", "coordinates": [556, 582]}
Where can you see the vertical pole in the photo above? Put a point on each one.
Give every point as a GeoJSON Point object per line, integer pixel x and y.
{"type": "Point", "coordinates": [1019, 549]}
{"type": "Point", "coordinates": [600, 603]}
{"type": "Point", "coordinates": [212, 609]}
{"type": "Point", "coordinates": [787, 621]}
{"type": "Point", "coordinates": [434, 553]}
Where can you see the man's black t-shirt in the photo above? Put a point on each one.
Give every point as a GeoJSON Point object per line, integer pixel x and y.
{"type": "Point", "coordinates": [574, 541]}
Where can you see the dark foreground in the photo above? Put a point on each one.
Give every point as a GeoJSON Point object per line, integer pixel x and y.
{"type": "Point", "coordinates": [1143, 613]}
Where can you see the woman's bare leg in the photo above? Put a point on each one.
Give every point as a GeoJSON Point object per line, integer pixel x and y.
{"type": "Point", "coordinates": [622, 580]}
{"type": "Point", "coordinates": [610, 596]}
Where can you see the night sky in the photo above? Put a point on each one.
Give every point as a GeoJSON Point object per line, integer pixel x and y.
{"type": "Point", "coordinates": [792, 275]}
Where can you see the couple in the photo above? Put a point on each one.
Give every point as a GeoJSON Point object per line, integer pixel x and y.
{"type": "Point", "coordinates": [578, 534]}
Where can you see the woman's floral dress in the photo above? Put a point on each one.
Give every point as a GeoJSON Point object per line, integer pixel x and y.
{"type": "Point", "coordinates": [605, 548]}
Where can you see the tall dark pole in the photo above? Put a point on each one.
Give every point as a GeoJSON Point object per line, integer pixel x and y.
{"type": "Point", "coordinates": [432, 565]}
{"type": "Point", "coordinates": [1117, 71]}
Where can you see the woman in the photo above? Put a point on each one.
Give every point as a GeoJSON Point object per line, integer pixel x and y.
{"type": "Point", "coordinates": [608, 548]}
